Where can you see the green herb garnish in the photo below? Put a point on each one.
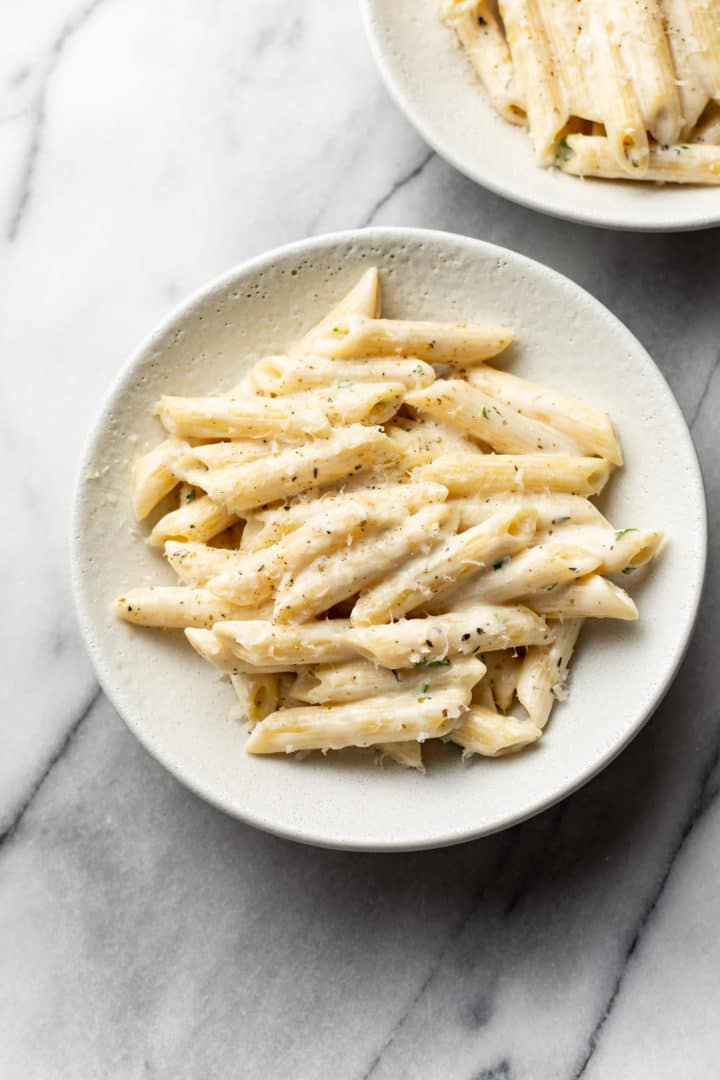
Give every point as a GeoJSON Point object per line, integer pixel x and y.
{"type": "Point", "coordinates": [446, 738]}
{"type": "Point", "coordinates": [629, 569]}
{"type": "Point", "coordinates": [445, 662]}
{"type": "Point", "coordinates": [345, 385]}
{"type": "Point", "coordinates": [621, 532]}
{"type": "Point", "coordinates": [425, 687]}
{"type": "Point", "coordinates": [549, 588]}
{"type": "Point", "coordinates": [486, 414]}
{"type": "Point", "coordinates": [191, 496]}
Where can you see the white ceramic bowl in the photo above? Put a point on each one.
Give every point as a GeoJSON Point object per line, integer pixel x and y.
{"type": "Point", "coordinates": [178, 706]}
{"type": "Point", "coordinates": [434, 84]}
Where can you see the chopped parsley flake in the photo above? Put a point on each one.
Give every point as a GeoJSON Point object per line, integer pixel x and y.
{"type": "Point", "coordinates": [430, 662]}
{"type": "Point", "coordinates": [425, 687]}
{"type": "Point", "coordinates": [486, 414]}
{"type": "Point", "coordinates": [446, 738]}
{"type": "Point", "coordinates": [629, 569]}
{"type": "Point", "coordinates": [621, 532]}
{"type": "Point", "coordinates": [191, 496]}
{"type": "Point", "coordinates": [549, 588]}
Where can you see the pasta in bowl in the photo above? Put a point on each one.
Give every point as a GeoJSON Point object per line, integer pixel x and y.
{"type": "Point", "coordinates": [527, 96]}
{"type": "Point", "coordinates": [401, 531]}
{"type": "Point", "coordinates": [385, 530]}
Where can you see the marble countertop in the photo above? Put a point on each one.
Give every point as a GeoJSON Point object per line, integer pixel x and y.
{"type": "Point", "coordinates": [145, 148]}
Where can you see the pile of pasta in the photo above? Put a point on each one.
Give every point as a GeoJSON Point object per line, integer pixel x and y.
{"type": "Point", "coordinates": [383, 540]}
{"type": "Point", "coordinates": [610, 88]}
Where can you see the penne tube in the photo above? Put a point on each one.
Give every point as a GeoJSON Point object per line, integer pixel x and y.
{"type": "Point", "coordinates": [356, 403]}
{"type": "Point", "coordinates": [543, 675]}
{"type": "Point", "coordinates": [173, 607]}
{"type": "Point", "coordinates": [640, 33]}
{"type": "Point", "coordinates": [434, 641]}
{"type": "Point", "coordinates": [289, 375]}
{"type": "Point", "coordinates": [591, 430]}
{"type": "Point", "coordinates": [358, 679]}
{"type": "Point", "coordinates": [408, 754]}
{"type": "Point", "coordinates": [264, 643]}
{"type": "Point", "coordinates": [363, 299]}
{"type": "Point", "coordinates": [688, 62]}
{"type": "Point", "coordinates": [503, 669]}
{"type": "Point", "coordinates": [351, 569]}
{"type": "Point", "coordinates": [551, 510]}
{"type": "Point", "coordinates": [226, 417]}
{"type": "Point", "coordinates": [488, 733]}
{"type": "Point", "coordinates": [195, 564]}
{"type": "Point", "coordinates": [592, 598]}
{"type": "Point", "coordinates": [482, 416]}
{"type": "Point", "coordinates": [153, 477]}
{"type": "Point", "coordinates": [378, 720]}
{"type": "Point", "coordinates": [627, 139]}
{"type": "Point", "coordinates": [447, 565]}
{"type": "Point", "coordinates": [435, 342]}
{"type": "Point", "coordinates": [315, 464]}
{"type": "Point", "coordinates": [543, 567]}
{"type": "Point", "coordinates": [199, 519]}
{"type": "Point", "coordinates": [705, 22]}
{"type": "Point", "coordinates": [491, 474]}
{"type": "Point", "coordinates": [535, 70]}
{"type": "Point", "coordinates": [258, 696]}
{"type": "Point", "coordinates": [479, 32]}
{"type": "Point", "coordinates": [619, 550]}
{"type": "Point", "coordinates": [688, 163]}
{"type": "Point", "coordinates": [568, 33]}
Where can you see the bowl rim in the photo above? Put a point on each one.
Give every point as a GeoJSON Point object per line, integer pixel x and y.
{"type": "Point", "coordinates": [563, 212]}
{"type": "Point", "coordinates": [381, 235]}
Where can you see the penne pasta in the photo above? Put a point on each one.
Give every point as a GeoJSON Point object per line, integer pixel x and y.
{"type": "Point", "coordinates": [479, 31]}
{"type": "Point", "coordinates": [688, 163]}
{"type": "Point", "coordinates": [303, 468]}
{"type": "Point", "coordinates": [363, 299]}
{"type": "Point", "coordinates": [492, 474]}
{"type": "Point", "coordinates": [488, 733]}
{"type": "Point", "coordinates": [263, 643]}
{"type": "Point", "coordinates": [435, 641]}
{"type": "Point", "coordinates": [544, 672]}
{"type": "Point", "coordinates": [485, 418]}
{"type": "Point", "coordinates": [552, 510]}
{"type": "Point", "coordinates": [592, 598]}
{"type": "Point", "coordinates": [379, 587]}
{"type": "Point", "coordinates": [258, 696]}
{"type": "Point", "coordinates": [547, 110]}
{"type": "Point", "coordinates": [153, 477]}
{"type": "Point", "coordinates": [542, 567]}
{"type": "Point", "coordinates": [435, 342]}
{"type": "Point", "coordinates": [379, 720]}
{"type": "Point", "coordinates": [289, 375]}
{"type": "Point", "coordinates": [591, 430]}
{"type": "Point", "coordinates": [240, 417]}
{"type": "Point", "coordinates": [198, 519]}
{"type": "Point", "coordinates": [172, 607]}
{"type": "Point", "coordinates": [359, 679]}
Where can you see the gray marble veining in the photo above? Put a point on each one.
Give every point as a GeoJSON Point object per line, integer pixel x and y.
{"type": "Point", "coordinates": [143, 934]}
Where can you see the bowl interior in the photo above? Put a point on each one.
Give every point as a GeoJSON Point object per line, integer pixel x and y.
{"type": "Point", "coordinates": [435, 85]}
{"type": "Point", "coordinates": [178, 706]}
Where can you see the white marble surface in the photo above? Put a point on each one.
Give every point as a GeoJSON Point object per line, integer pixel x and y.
{"type": "Point", "coordinates": [144, 148]}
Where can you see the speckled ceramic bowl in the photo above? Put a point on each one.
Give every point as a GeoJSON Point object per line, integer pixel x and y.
{"type": "Point", "coordinates": [178, 707]}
